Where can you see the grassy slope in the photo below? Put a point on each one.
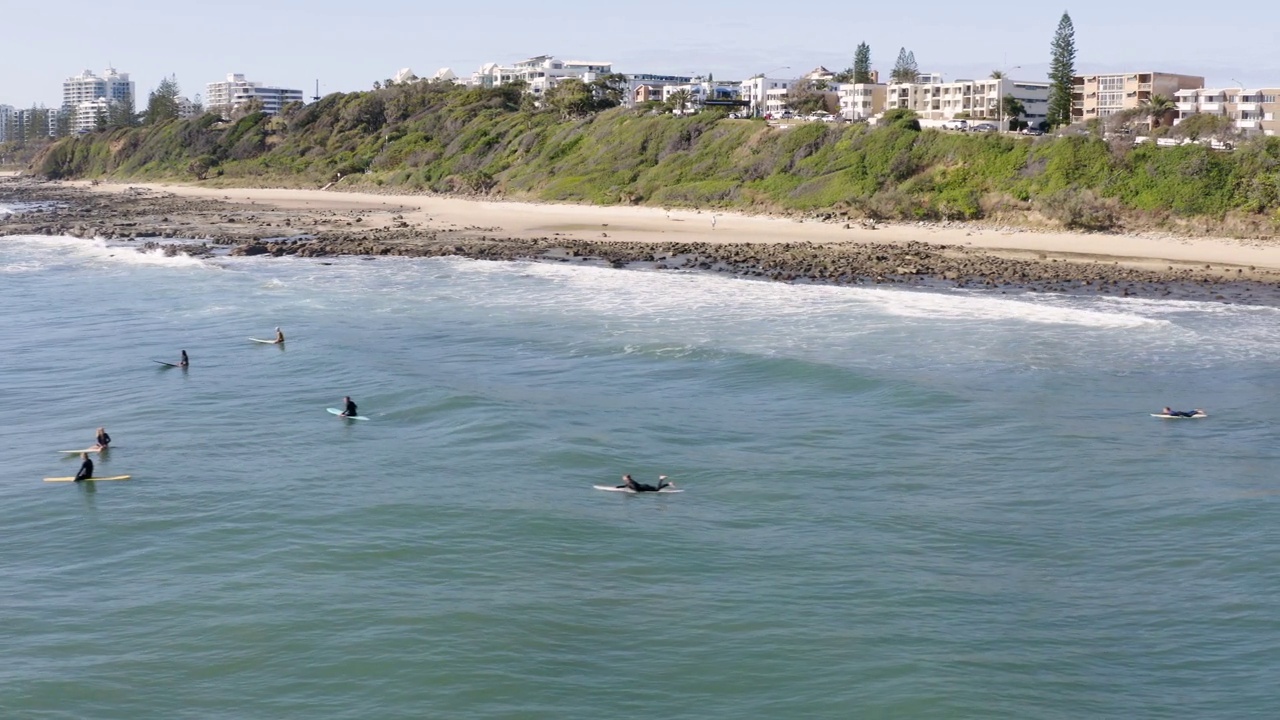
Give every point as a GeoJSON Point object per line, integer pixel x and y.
{"type": "Point", "coordinates": [448, 139]}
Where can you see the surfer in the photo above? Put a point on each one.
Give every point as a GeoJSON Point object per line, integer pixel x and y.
{"type": "Point", "coordinates": [103, 439]}
{"type": "Point", "coordinates": [279, 337]}
{"type": "Point", "coordinates": [630, 483]}
{"type": "Point", "coordinates": [185, 361]}
{"type": "Point", "coordinates": [1183, 413]}
{"type": "Point", "coordinates": [86, 468]}
{"type": "Point", "coordinates": [348, 407]}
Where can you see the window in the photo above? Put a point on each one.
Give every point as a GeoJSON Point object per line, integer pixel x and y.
{"type": "Point", "coordinates": [1111, 99]}
{"type": "Point", "coordinates": [1111, 83]}
{"type": "Point", "coordinates": [1268, 98]}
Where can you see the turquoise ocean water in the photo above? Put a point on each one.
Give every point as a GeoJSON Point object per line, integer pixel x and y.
{"type": "Point", "coordinates": [897, 504]}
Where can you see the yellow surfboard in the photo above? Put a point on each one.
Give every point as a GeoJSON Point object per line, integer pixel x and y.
{"type": "Point", "coordinates": [92, 479]}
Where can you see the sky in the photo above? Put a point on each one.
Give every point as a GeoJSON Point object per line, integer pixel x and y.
{"type": "Point", "coordinates": [348, 45]}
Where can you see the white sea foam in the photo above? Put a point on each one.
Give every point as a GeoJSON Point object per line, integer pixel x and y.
{"type": "Point", "coordinates": [100, 250]}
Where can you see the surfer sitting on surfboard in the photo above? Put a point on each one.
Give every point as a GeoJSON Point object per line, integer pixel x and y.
{"type": "Point", "coordinates": [279, 337]}
{"type": "Point", "coordinates": [185, 362]}
{"type": "Point", "coordinates": [103, 439]}
{"type": "Point", "coordinates": [86, 468]}
{"type": "Point", "coordinates": [1183, 413]}
{"type": "Point", "coordinates": [629, 483]}
{"type": "Point", "coordinates": [349, 408]}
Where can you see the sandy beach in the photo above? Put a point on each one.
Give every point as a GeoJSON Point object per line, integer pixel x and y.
{"type": "Point", "coordinates": [317, 223]}
{"type": "Point", "coordinates": [644, 224]}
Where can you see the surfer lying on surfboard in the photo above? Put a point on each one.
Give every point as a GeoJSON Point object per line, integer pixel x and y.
{"type": "Point", "coordinates": [86, 468]}
{"type": "Point", "coordinates": [1183, 413]}
{"type": "Point", "coordinates": [629, 483]}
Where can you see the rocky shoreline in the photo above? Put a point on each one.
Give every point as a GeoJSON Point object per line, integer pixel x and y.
{"type": "Point", "coordinates": [150, 220]}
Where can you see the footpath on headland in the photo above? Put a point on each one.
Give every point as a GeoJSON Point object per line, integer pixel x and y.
{"type": "Point", "coordinates": [313, 223]}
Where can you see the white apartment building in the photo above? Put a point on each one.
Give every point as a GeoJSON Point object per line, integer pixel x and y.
{"type": "Point", "coordinates": [1253, 111]}
{"type": "Point", "coordinates": [6, 122]}
{"type": "Point", "coordinates": [755, 91]}
{"type": "Point", "coordinates": [24, 118]}
{"type": "Point", "coordinates": [186, 108]}
{"type": "Point", "coordinates": [236, 92]}
{"type": "Point", "coordinates": [860, 101]}
{"type": "Point", "coordinates": [539, 73]}
{"type": "Point", "coordinates": [979, 99]}
{"type": "Point", "coordinates": [1099, 96]}
{"type": "Point", "coordinates": [84, 115]}
{"type": "Point", "coordinates": [111, 85]}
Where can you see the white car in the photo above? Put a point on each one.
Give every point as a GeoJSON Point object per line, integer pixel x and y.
{"type": "Point", "coordinates": [955, 125]}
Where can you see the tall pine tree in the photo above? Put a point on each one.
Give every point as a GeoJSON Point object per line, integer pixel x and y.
{"type": "Point", "coordinates": [862, 64]}
{"type": "Point", "coordinates": [905, 69]}
{"type": "Point", "coordinates": [1062, 71]}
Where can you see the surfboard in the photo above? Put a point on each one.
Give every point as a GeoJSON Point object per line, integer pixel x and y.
{"type": "Point", "coordinates": [166, 364]}
{"type": "Point", "coordinates": [611, 488]}
{"type": "Point", "coordinates": [1162, 416]}
{"type": "Point", "coordinates": [264, 342]}
{"type": "Point", "coordinates": [86, 450]}
{"type": "Point", "coordinates": [336, 411]}
{"type": "Point", "coordinates": [92, 479]}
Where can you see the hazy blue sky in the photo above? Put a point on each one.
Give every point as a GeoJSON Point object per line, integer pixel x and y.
{"type": "Point", "coordinates": [348, 45]}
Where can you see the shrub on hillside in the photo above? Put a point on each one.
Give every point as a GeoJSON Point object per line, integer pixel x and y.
{"type": "Point", "coordinates": [1078, 209]}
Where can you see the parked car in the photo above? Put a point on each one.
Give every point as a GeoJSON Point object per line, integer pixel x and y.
{"type": "Point", "coordinates": [983, 127]}
{"type": "Point", "coordinates": [955, 125]}
{"type": "Point", "coordinates": [1032, 131]}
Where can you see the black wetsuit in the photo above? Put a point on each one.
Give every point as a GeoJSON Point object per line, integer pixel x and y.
{"type": "Point", "coordinates": [184, 362]}
{"type": "Point", "coordinates": [104, 440]}
{"type": "Point", "coordinates": [1183, 413]}
{"type": "Point", "coordinates": [350, 410]}
{"type": "Point", "coordinates": [86, 470]}
{"type": "Point", "coordinates": [643, 487]}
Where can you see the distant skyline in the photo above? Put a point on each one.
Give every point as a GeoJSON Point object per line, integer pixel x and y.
{"type": "Point", "coordinates": [347, 46]}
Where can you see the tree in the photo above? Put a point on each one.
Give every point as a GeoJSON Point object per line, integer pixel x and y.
{"type": "Point", "coordinates": [997, 74]}
{"type": "Point", "coordinates": [120, 113]}
{"type": "Point", "coordinates": [905, 69]}
{"type": "Point", "coordinates": [609, 90]}
{"type": "Point", "coordinates": [1206, 125]}
{"type": "Point", "coordinates": [862, 63]}
{"type": "Point", "coordinates": [678, 100]}
{"type": "Point", "coordinates": [571, 98]}
{"type": "Point", "coordinates": [162, 104]}
{"type": "Point", "coordinates": [1062, 72]}
{"type": "Point", "coordinates": [1159, 109]}
{"type": "Point", "coordinates": [808, 96]}
{"type": "Point", "coordinates": [1013, 110]}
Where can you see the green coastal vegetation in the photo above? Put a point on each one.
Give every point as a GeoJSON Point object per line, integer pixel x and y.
{"type": "Point", "coordinates": [579, 146]}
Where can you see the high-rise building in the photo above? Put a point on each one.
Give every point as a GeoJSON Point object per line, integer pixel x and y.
{"type": "Point", "coordinates": [236, 92]}
{"type": "Point", "coordinates": [111, 86]}
{"type": "Point", "coordinates": [6, 122]}
{"type": "Point", "coordinates": [1100, 96]}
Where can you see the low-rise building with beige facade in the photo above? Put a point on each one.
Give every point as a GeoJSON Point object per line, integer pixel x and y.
{"type": "Point", "coordinates": [1100, 96]}
{"type": "Point", "coordinates": [1252, 111]}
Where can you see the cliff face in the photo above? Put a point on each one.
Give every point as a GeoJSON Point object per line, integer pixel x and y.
{"type": "Point", "coordinates": [448, 139]}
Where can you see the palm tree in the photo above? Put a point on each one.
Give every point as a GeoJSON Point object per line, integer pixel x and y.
{"type": "Point", "coordinates": [678, 100]}
{"type": "Point", "coordinates": [1158, 108]}
{"type": "Point", "coordinates": [997, 74]}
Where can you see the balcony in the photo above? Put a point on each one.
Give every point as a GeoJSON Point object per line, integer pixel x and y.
{"type": "Point", "coordinates": [1186, 107]}
{"type": "Point", "coordinates": [1247, 124]}
{"type": "Point", "coordinates": [1253, 107]}
{"type": "Point", "coordinates": [1211, 107]}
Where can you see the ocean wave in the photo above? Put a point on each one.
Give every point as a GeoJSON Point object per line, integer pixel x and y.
{"type": "Point", "coordinates": [100, 250]}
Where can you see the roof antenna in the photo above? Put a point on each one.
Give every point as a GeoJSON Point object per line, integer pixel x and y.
{"type": "Point", "coordinates": [316, 97]}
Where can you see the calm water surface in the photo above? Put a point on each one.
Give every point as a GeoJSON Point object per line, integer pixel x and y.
{"type": "Point", "coordinates": [897, 504]}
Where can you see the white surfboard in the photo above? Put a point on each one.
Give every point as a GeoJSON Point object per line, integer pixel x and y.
{"type": "Point", "coordinates": [336, 411]}
{"type": "Point", "coordinates": [166, 364]}
{"type": "Point", "coordinates": [1196, 416]}
{"type": "Point", "coordinates": [92, 479]}
{"type": "Point", "coordinates": [86, 450]}
{"type": "Point", "coordinates": [611, 488]}
{"type": "Point", "coordinates": [264, 342]}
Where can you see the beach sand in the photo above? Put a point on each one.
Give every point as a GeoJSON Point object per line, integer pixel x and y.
{"type": "Point", "coordinates": [645, 224]}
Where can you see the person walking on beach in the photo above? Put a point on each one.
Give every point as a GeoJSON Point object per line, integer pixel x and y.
{"type": "Point", "coordinates": [103, 439]}
{"type": "Point", "coordinates": [348, 407]}
{"type": "Point", "coordinates": [713, 222]}
{"type": "Point", "coordinates": [86, 468]}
